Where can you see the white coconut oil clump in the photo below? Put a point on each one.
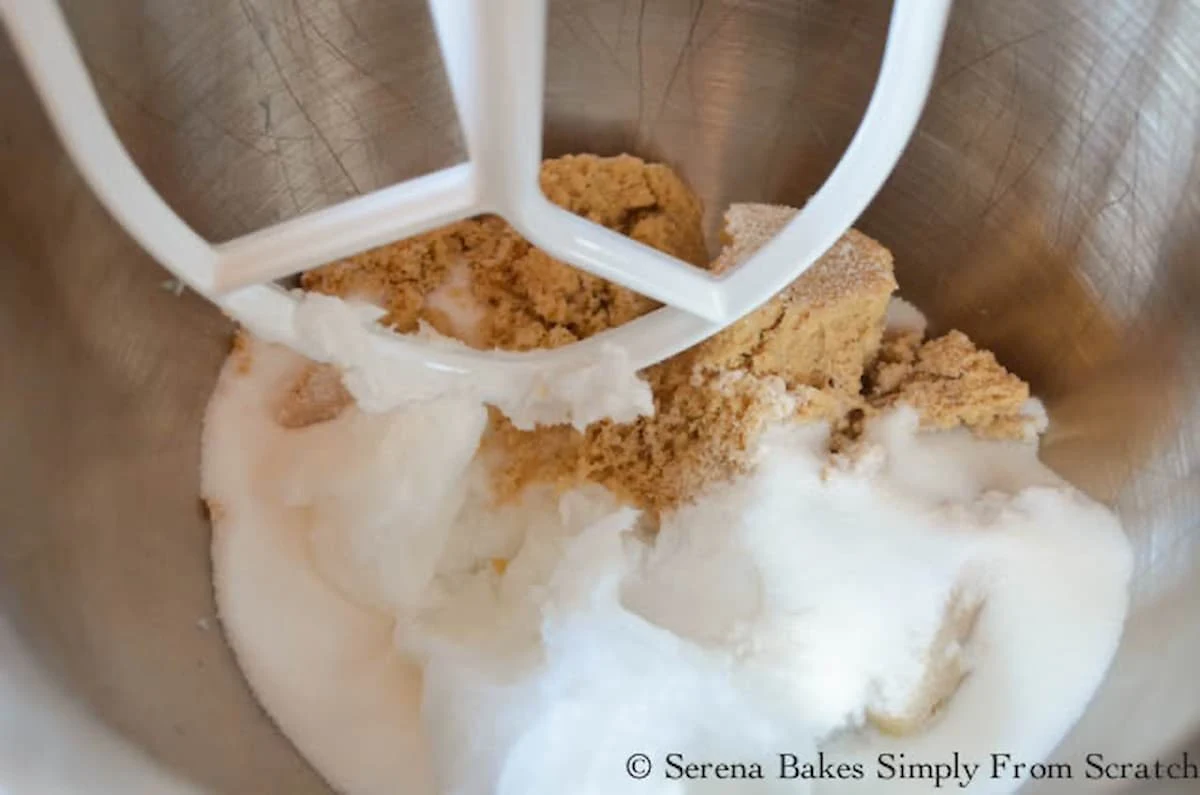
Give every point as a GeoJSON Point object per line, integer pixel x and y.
{"type": "Point", "coordinates": [408, 635]}
{"type": "Point", "coordinates": [329, 329]}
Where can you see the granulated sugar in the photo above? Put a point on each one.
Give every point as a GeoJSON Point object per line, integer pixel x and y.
{"type": "Point", "coordinates": [402, 628]}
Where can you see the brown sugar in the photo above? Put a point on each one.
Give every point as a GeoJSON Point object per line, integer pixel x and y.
{"type": "Point", "coordinates": [702, 432]}
{"type": "Point", "coordinates": [893, 362]}
{"type": "Point", "coordinates": [521, 297]}
{"type": "Point", "coordinates": [316, 395]}
{"type": "Point", "coordinates": [823, 328]}
{"type": "Point", "coordinates": [816, 351]}
{"type": "Point", "coordinates": [645, 201]}
{"type": "Point", "coordinates": [213, 510]}
{"type": "Point", "coordinates": [950, 383]}
{"type": "Point", "coordinates": [802, 354]}
{"type": "Point", "coordinates": [239, 351]}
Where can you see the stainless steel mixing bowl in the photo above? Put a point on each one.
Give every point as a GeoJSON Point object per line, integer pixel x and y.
{"type": "Point", "coordinates": [1049, 205]}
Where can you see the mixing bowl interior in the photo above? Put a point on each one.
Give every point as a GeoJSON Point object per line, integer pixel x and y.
{"type": "Point", "coordinates": [1049, 206]}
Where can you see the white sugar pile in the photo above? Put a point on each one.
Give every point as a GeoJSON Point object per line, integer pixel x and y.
{"type": "Point", "coordinates": [409, 636]}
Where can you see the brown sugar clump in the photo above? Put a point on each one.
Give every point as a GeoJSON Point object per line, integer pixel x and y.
{"type": "Point", "coordinates": [315, 396]}
{"type": "Point", "coordinates": [239, 351]}
{"type": "Point", "coordinates": [801, 355]}
{"type": "Point", "coordinates": [823, 328]}
{"type": "Point", "coordinates": [702, 432]}
{"type": "Point", "coordinates": [513, 295]}
{"type": "Point", "coordinates": [214, 510]}
{"type": "Point", "coordinates": [644, 201]}
{"type": "Point", "coordinates": [950, 382]}
{"type": "Point", "coordinates": [893, 362]}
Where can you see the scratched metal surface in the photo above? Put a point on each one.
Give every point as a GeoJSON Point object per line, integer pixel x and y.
{"type": "Point", "coordinates": [1049, 206]}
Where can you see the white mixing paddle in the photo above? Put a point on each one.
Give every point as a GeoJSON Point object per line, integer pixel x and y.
{"type": "Point", "coordinates": [494, 52]}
